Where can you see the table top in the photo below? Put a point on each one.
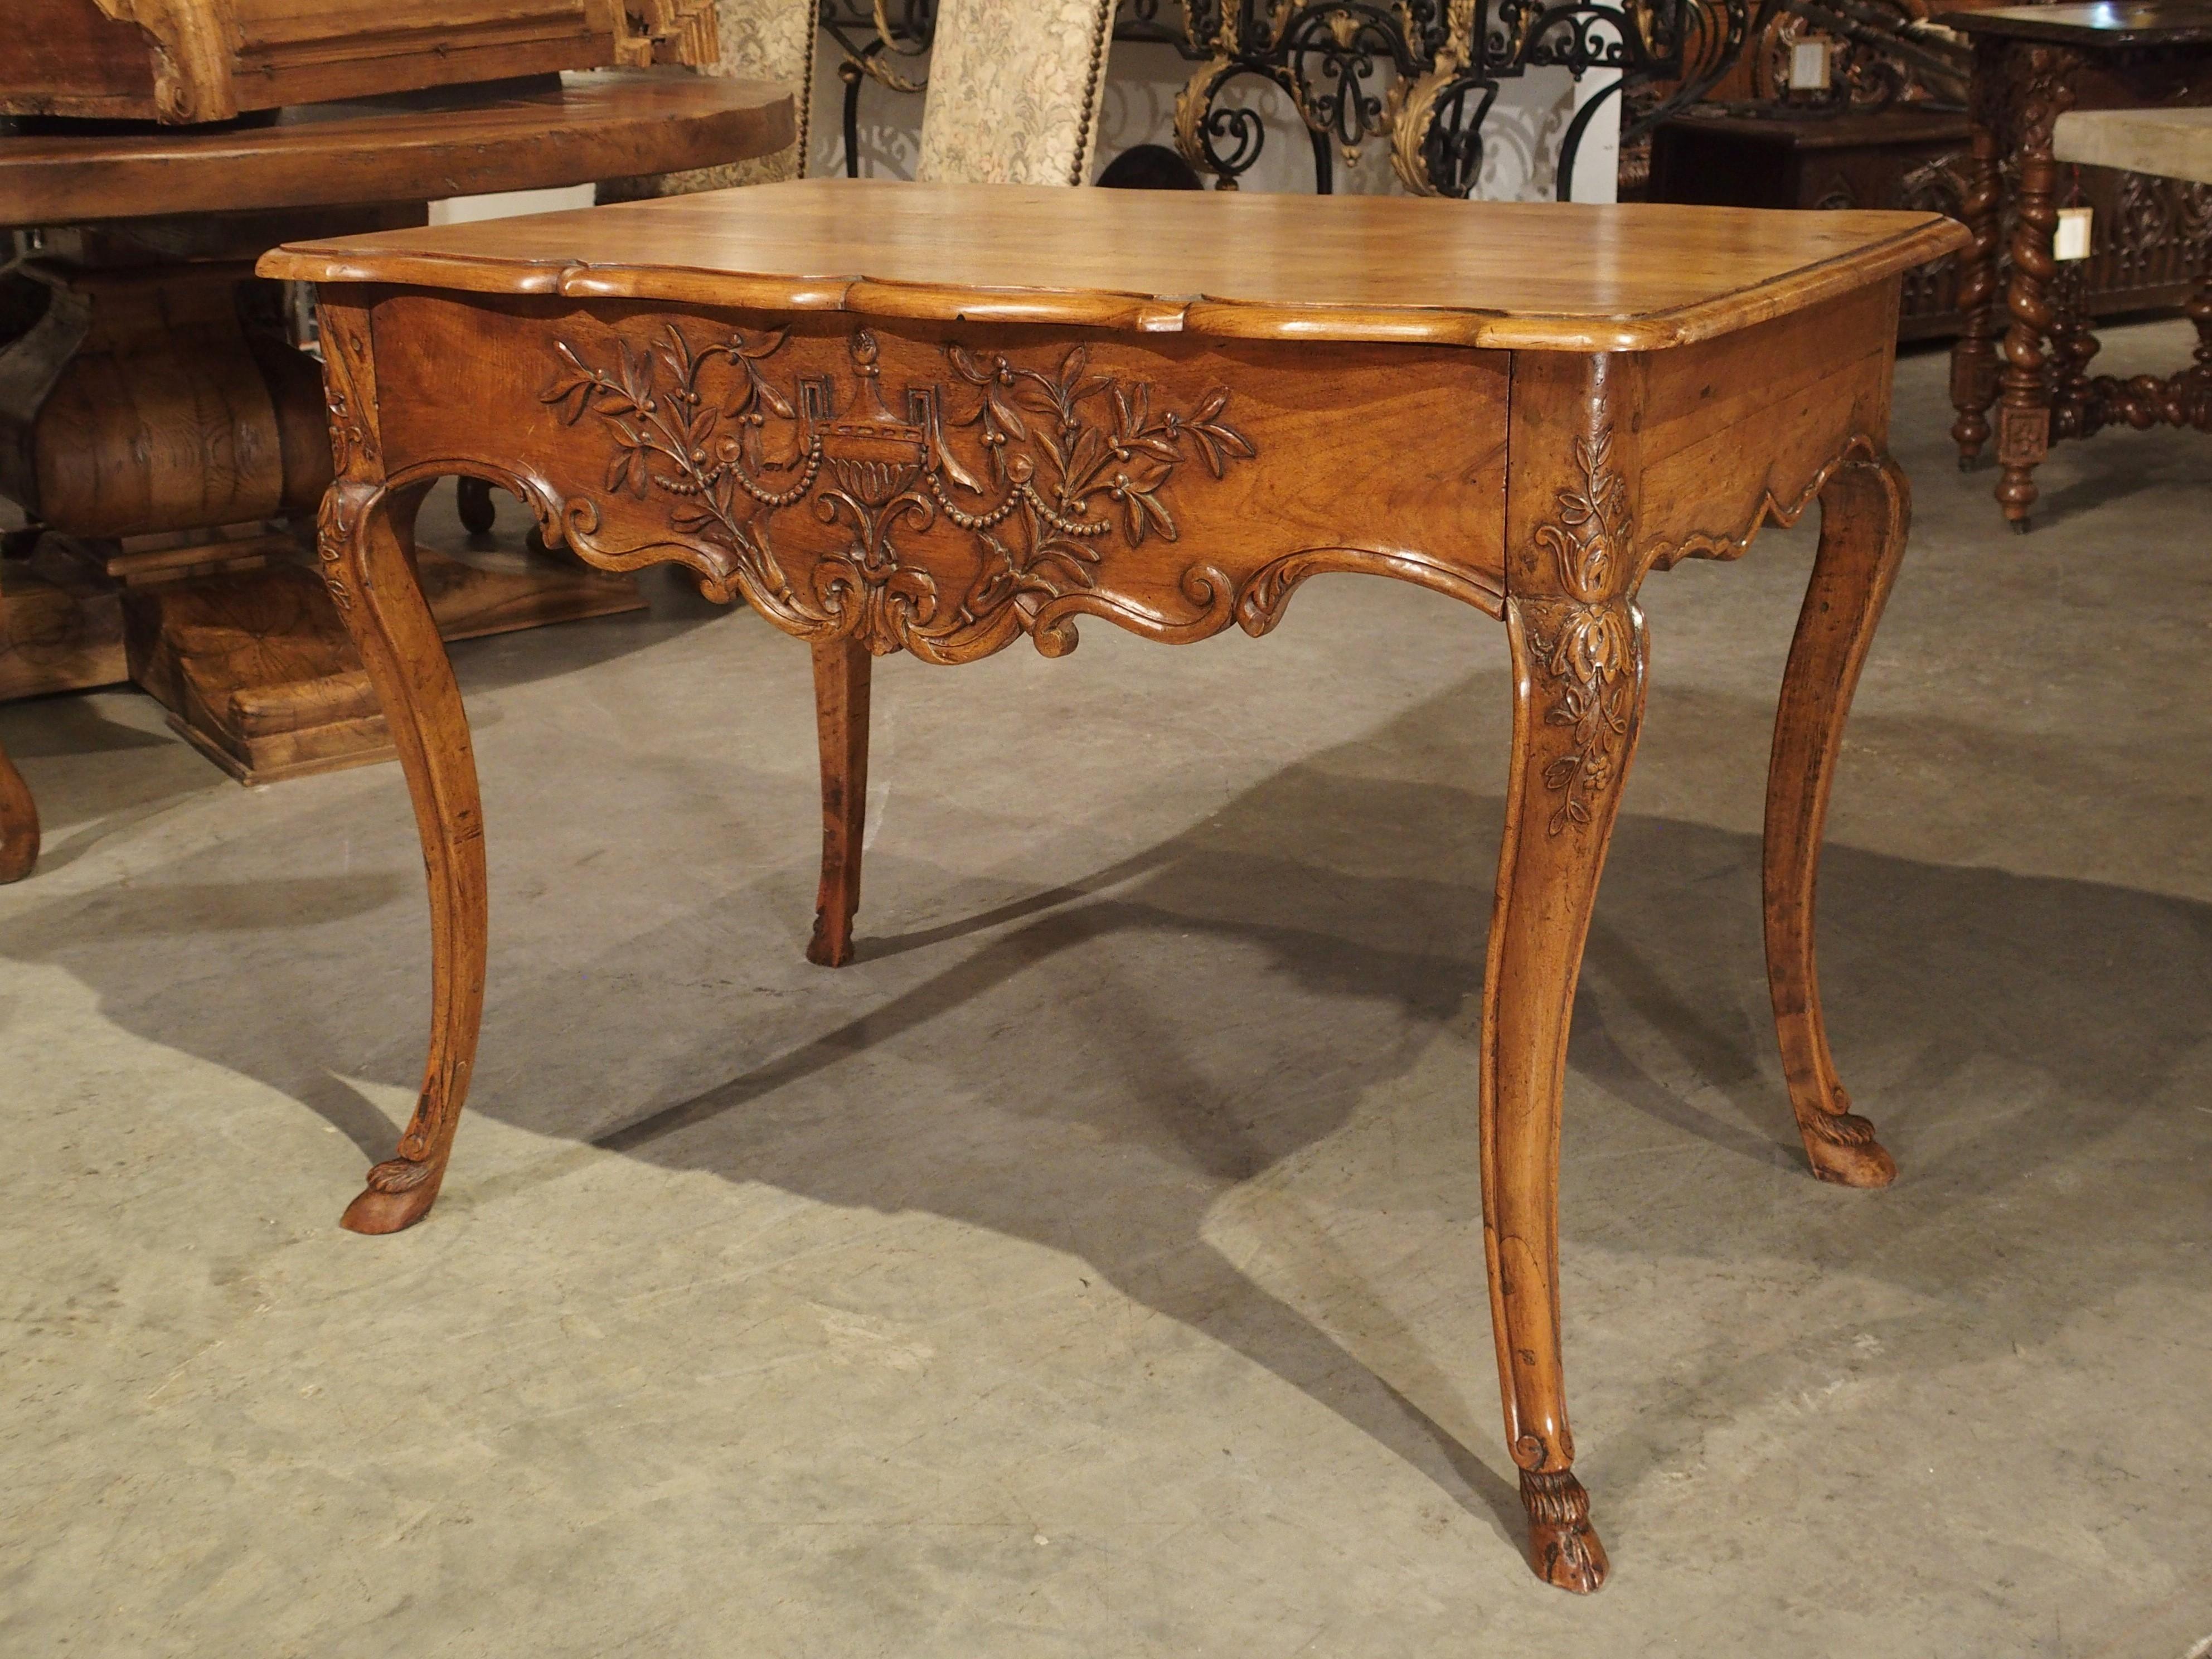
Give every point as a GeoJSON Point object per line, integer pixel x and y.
{"type": "Point", "coordinates": [2176, 143]}
{"type": "Point", "coordinates": [2100, 26]}
{"type": "Point", "coordinates": [531, 134]}
{"type": "Point", "coordinates": [1899, 124]}
{"type": "Point", "coordinates": [1530, 275]}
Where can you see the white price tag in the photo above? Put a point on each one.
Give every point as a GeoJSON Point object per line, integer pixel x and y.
{"type": "Point", "coordinates": [2071, 240]}
{"type": "Point", "coordinates": [1808, 66]}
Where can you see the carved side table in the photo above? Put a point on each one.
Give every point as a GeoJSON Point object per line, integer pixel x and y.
{"type": "Point", "coordinates": [2030, 65]}
{"type": "Point", "coordinates": [943, 418]}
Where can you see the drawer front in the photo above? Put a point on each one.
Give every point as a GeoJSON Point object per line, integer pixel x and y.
{"type": "Point", "coordinates": [945, 489]}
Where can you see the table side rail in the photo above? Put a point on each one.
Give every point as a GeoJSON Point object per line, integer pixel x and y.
{"type": "Point", "coordinates": [1749, 428]}
{"type": "Point", "coordinates": [946, 489]}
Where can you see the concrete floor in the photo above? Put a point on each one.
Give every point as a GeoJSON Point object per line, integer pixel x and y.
{"type": "Point", "coordinates": [1095, 1267]}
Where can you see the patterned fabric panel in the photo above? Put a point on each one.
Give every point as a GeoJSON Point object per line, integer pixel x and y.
{"type": "Point", "coordinates": [1015, 91]}
{"type": "Point", "coordinates": [762, 40]}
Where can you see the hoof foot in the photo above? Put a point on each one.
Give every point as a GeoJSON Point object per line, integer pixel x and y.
{"type": "Point", "coordinates": [1563, 1547]}
{"type": "Point", "coordinates": [1841, 1148]}
{"type": "Point", "coordinates": [829, 949]}
{"type": "Point", "coordinates": [399, 1194]}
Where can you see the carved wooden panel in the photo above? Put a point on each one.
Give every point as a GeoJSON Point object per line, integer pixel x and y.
{"type": "Point", "coordinates": [943, 490]}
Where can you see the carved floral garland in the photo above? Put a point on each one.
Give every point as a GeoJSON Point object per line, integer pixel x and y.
{"type": "Point", "coordinates": [1586, 644]}
{"type": "Point", "coordinates": [1063, 450]}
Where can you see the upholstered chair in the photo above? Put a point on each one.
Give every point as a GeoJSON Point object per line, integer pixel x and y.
{"type": "Point", "coordinates": [1015, 91]}
{"type": "Point", "coordinates": [761, 40]}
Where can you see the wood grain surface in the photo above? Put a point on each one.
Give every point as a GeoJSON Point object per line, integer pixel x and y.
{"type": "Point", "coordinates": [527, 135]}
{"type": "Point", "coordinates": [1540, 276]}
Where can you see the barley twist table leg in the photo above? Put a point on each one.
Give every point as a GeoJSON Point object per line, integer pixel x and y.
{"type": "Point", "coordinates": [1973, 354]}
{"type": "Point", "coordinates": [2044, 78]}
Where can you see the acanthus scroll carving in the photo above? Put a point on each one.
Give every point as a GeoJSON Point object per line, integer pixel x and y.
{"type": "Point", "coordinates": [1070, 461]}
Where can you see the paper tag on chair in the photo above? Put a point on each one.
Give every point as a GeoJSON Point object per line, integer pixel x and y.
{"type": "Point", "coordinates": [2071, 240]}
{"type": "Point", "coordinates": [1808, 66]}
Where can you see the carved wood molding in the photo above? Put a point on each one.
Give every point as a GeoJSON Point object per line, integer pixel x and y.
{"type": "Point", "coordinates": [350, 393]}
{"type": "Point", "coordinates": [1590, 654]}
{"type": "Point", "coordinates": [1266, 595]}
{"type": "Point", "coordinates": [194, 41]}
{"type": "Point", "coordinates": [1859, 450]}
{"type": "Point", "coordinates": [1585, 640]}
{"type": "Point", "coordinates": [356, 446]}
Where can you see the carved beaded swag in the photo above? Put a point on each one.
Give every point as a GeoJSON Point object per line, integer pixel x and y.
{"type": "Point", "coordinates": [1065, 459]}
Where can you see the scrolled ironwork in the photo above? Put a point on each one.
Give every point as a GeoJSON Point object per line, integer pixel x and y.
{"type": "Point", "coordinates": [1422, 74]}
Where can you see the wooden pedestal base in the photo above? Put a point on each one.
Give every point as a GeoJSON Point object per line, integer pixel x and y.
{"type": "Point", "coordinates": [158, 426]}
{"type": "Point", "coordinates": [239, 641]}
{"type": "Point", "coordinates": [61, 627]}
{"type": "Point", "coordinates": [257, 674]}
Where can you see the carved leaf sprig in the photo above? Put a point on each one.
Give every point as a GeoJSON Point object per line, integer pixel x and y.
{"type": "Point", "coordinates": [1129, 458]}
{"type": "Point", "coordinates": [1217, 440]}
{"type": "Point", "coordinates": [1589, 541]}
{"type": "Point", "coordinates": [681, 426]}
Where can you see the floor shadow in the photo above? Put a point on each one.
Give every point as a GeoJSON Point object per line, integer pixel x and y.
{"type": "Point", "coordinates": [69, 724]}
{"type": "Point", "coordinates": [1093, 1066]}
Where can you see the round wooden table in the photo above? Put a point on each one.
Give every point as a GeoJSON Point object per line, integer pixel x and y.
{"type": "Point", "coordinates": [156, 424]}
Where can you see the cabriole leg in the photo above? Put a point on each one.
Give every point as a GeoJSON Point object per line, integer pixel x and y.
{"type": "Point", "coordinates": [1571, 743]}
{"type": "Point", "coordinates": [1864, 514]}
{"type": "Point", "coordinates": [365, 535]}
{"type": "Point", "coordinates": [1579, 677]}
{"type": "Point", "coordinates": [479, 514]}
{"type": "Point", "coordinates": [842, 671]}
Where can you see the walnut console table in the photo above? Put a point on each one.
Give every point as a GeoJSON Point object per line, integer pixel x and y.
{"type": "Point", "coordinates": [939, 419]}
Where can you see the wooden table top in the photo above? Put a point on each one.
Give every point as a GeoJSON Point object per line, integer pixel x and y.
{"type": "Point", "coordinates": [458, 141]}
{"type": "Point", "coordinates": [1533, 275]}
{"type": "Point", "coordinates": [2101, 25]}
{"type": "Point", "coordinates": [2176, 143]}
